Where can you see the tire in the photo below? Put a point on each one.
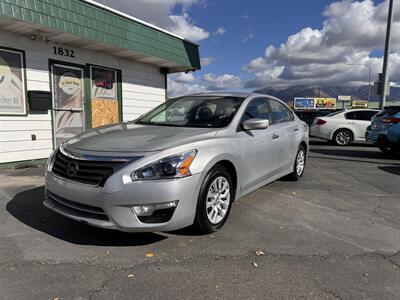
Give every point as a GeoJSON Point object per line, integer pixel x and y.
{"type": "Point", "coordinates": [211, 204]}
{"type": "Point", "coordinates": [343, 137]}
{"type": "Point", "coordinates": [298, 170]}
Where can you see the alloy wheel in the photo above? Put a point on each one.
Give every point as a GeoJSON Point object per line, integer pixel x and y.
{"type": "Point", "coordinates": [300, 162]}
{"type": "Point", "coordinates": [343, 137]}
{"type": "Point", "coordinates": [218, 200]}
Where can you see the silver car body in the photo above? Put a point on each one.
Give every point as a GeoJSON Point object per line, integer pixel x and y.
{"type": "Point", "coordinates": [256, 159]}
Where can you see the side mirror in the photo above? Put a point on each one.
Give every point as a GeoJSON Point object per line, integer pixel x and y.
{"type": "Point", "coordinates": [255, 124]}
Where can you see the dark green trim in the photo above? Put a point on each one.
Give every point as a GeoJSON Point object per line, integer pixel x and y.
{"type": "Point", "coordinates": [100, 25]}
{"type": "Point", "coordinates": [24, 77]}
{"type": "Point", "coordinates": [119, 95]}
{"type": "Point", "coordinates": [11, 165]}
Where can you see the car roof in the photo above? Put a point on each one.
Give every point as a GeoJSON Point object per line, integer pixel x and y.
{"type": "Point", "coordinates": [231, 94]}
{"type": "Point", "coordinates": [219, 94]}
{"type": "Point", "coordinates": [362, 109]}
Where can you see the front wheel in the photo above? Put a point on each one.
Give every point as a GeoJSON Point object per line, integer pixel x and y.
{"type": "Point", "coordinates": [299, 164]}
{"type": "Point", "coordinates": [215, 200]}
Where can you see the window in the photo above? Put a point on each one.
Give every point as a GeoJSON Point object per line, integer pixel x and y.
{"type": "Point", "coordinates": [351, 115]}
{"type": "Point", "coordinates": [12, 82]}
{"type": "Point", "coordinates": [362, 115]}
{"type": "Point", "coordinates": [257, 109]}
{"type": "Point", "coordinates": [280, 113]}
{"type": "Point", "coordinates": [104, 96]}
{"type": "Point", "coordinates": [365, 115]}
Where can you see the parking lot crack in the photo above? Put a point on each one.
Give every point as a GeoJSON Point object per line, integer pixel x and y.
{"type": "Point", "coordinates": [104, 284]}
{"type": "Point", "coordinates": [375, 210]}
{"type": "Point", "coordinates": [327, 291]}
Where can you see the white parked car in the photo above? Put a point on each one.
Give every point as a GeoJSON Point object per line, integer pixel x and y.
{"type": "Point", "coordinates": [343, 127]}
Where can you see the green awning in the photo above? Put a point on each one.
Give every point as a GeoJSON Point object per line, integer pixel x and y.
{"type": "Point", "coordinates": [95, 27]}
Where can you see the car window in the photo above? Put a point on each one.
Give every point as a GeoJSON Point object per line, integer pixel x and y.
{"type": "Point", "coordinates": [280, 113]}
{"type": "Point", "coordinates": [257, 108]}
{"type": "Point", "coordinates": [389, 111]}
{"type": "Point", "coordinates": [351, 115]}
{"type": "Point", "coordinates": [365, 115]}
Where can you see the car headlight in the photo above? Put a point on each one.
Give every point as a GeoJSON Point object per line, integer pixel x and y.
{"type": "Point", "coordinates": [176, 166]}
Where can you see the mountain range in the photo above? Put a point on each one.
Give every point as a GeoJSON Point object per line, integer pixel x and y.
{"type": "Point", "coordinates": [287, 94]}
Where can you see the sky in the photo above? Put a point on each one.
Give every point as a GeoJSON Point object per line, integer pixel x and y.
{"type": "Point", "coordinates": [252, 44]}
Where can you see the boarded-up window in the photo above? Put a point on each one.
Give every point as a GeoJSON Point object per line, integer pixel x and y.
{"type": "Point", "coordinates": [104, 96]}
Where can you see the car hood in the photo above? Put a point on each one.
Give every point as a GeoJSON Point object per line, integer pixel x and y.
{"type": "Point", "coordinates": [131, 137]}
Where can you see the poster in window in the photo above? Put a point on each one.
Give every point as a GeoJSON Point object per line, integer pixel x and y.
{"type": "Point", "coordinates": [68, 101]}
{"type": "Point", "coordinates": [105, 109]}
{"type": "Point", "coordinates": [12, 84]}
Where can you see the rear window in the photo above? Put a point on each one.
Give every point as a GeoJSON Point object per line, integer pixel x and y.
{"type": "Point", "coordinates": [390, 111]}
{"type": "Point", "coordinates": [334, 113]}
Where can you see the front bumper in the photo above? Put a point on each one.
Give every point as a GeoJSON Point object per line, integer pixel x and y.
{"type": "Point", "coordinates": [113, 210]}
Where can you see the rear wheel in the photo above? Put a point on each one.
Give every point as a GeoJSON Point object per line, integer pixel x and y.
{"type": "Point", "coordinates": [343, 137]}
{"type": "Point", "coordinates": [215, 200]}
{"type": "Point", "coordinates": [299, 164]}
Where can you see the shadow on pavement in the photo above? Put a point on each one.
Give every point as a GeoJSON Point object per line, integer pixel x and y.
{"type": "Point", "coordinates": [353, 153]}
{"type": "Point", "coordinates": [317, 142]}
{"type": "Point", "coordinates": [395, 170]}
{"type": "Point", "coordinates": [28, 208]}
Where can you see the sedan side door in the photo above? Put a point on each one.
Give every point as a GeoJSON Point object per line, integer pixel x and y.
{"type": "Point", "coordinates": [259, 148]}
{"type": "Point", "coordinates": [287, 131]}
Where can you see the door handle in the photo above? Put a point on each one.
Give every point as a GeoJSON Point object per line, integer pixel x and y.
{"type": "Point", "coordinates": [296, 129]}
{"type": "Point", "coordinates": [275, 136]}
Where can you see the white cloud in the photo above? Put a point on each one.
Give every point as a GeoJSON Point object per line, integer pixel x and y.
{"type": "Point", "coordinates": [350, 34]}
{"type": "Point", "coordinates": [206, 61]}
{"type": "Point", "coordinates": [222, 82]}
{"type": "Point", "coordinates": [220, 31]}
{"type": "Point", "coordinates": [176, 89]}
{"type": "Point", "coordinates": [182, 26]}
{"type": "Point", "coordinates": [183, 77]}
{"type": "Point", "coordinates": [159, 12]}
{"type": "Point", "coordinates": [183, 84]}
{"type": "Point", "coordinates": [248, 35]}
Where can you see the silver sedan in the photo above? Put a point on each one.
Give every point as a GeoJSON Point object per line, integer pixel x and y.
{"type": "Point", "coordinates": [183, 163]}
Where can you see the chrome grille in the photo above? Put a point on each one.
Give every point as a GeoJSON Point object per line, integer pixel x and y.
{"type": "Point", "coordinates": [85, 171]}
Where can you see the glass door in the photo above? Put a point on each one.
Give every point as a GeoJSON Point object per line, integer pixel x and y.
{"type": "Point", "coordinates": [68, 101]}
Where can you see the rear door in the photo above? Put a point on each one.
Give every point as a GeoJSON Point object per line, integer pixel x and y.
{"type": "Point", "coordinates": [360, 119]}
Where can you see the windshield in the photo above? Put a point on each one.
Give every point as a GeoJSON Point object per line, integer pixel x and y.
{"type": "Point", "coordinates": [201, 111]}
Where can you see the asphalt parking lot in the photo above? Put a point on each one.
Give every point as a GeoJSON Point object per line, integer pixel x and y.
{"type": "Point", "coordinates": [335, 234]}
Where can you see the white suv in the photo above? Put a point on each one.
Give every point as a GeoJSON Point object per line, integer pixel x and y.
{"type": "Point", "coordinates": [343, 127]}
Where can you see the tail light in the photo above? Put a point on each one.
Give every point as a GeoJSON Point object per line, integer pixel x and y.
{"type": "Point", "coordinates": [390, 120]}
{"type": "Point", "coordinates": [320, 122]}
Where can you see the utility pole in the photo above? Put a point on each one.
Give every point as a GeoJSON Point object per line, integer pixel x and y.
{"type": "Point", "coordinates": [385, 75]}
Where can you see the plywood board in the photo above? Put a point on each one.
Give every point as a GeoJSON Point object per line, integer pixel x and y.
{"type": "Point", "coordinates": [104, 112]}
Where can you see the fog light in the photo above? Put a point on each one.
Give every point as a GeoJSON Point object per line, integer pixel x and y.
{"type": "Point", "coordinates": [148, 210]}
